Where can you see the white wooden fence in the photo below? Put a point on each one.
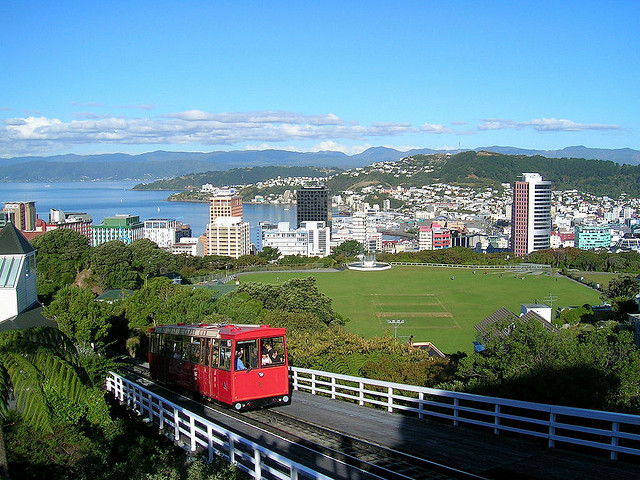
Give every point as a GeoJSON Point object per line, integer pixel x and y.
{"type": "Point", "coordinates": [613, 432]}
{"type": "Point", "coordinates": [199, 433]}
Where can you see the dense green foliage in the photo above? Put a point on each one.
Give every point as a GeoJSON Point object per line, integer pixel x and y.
{"type": "Point", "coordinates": [598, 368]}
{"type": "Point", "coordinates": [44, 373]}
{"type": "Point", "coordinates": [587, 260]}
{"type": "Point", "coordinates": [598, 177]}
{"type": "Point", "coordinates": [60, 255]}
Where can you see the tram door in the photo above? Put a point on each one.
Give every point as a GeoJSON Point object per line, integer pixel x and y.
{"type": "Point", "coordinates": [213, 362]}
{"type": "Point", "coordinates": [248, 380]}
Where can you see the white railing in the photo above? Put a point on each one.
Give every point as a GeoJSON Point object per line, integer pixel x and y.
{"type": "Point", "coordinates": [613, 432]}
{"type": "Point", "coordinates": [195, 432]}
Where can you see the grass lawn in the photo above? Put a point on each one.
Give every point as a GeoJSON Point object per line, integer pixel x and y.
{"type": "Point", "coordinates": [434, 307]}
{"type": "Point", "coordinates": [603, 278]}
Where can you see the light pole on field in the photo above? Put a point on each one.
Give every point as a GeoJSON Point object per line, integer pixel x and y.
{"type": "Point", "coordinates": [396, 324]}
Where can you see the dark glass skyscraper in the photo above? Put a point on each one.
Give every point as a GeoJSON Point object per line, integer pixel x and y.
{"type": "Point", "coordinates": [313, 205]}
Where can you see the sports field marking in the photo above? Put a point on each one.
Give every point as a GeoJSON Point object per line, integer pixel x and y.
{"type": "Point", "coordinates": [418, 314]}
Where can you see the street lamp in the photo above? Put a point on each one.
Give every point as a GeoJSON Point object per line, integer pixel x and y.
{"type": "Point", "coordinates": [396, 324]}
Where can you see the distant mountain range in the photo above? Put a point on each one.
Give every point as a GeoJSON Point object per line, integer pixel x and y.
{"type": "Point", "coordinates": [162, 164]}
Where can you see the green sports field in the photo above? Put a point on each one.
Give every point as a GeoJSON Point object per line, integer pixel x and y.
{"type": "Point", "coordinates": [434, 306]}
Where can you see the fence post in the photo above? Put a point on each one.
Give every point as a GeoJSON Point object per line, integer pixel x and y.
{"type": "Point", "coordinates": [496, 420]}
{"type": "Point", "coordinates": [232, 451]}
{"type": "Point", "coordinates": [160, 415]}
{"type": "Point", "coordinates": [615, 440]}
{"type": "Point", "coordinates": [420, 405]}
{"type": "Point", "coordinates": [192, 432]}
{"type": "Point", "coordinates": [333, 388]}
{"type": "Point", "coordinates": [552, 430]}
{"type": "Point", "coordinates": [313, 384]}
{"type": "Point", "coordinates": [176, 424]}
{"type": "Point", "coordinates": [210, 442]}
{"type": "Point", "coordinates": [456, 404]}
{"type": "Point", "coordinates": [296, 386]}
{"type": "Point", "coordinates": [390, 399]}
{"type": "Point", "coordinates": [257, 465]}
{"type": "Point", "coordinates": [361, 393]}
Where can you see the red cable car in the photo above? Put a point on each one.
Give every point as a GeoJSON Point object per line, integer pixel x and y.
{"type": "Point", "coordinates": [241, 365]}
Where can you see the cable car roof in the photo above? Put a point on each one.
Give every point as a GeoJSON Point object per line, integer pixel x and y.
{"type": "Point", "coordinates": [216, 330]}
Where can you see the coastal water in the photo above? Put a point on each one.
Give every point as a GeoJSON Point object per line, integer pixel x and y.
{"type": "Point", "coordinates": [105, 199]}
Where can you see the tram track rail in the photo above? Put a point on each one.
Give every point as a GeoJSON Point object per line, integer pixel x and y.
{"type": "Point", "coordinates": [370, 460]}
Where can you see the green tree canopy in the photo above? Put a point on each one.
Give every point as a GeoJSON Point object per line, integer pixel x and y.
{"type": "Point", "coordinates": [348, 248]}
{"type": "Point", "coordinates": [79, 316]}
{"type": "Point", "coordinates": [112, 263]}
{"type": "Point", "coordinates": [61, 254]}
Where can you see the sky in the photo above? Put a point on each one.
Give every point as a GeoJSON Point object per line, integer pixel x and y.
{"type": "Point", "coordinates": [89, 77]}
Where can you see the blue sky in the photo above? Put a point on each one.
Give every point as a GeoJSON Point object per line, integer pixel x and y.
{"type": "Point", "coordinates": [97, 77]}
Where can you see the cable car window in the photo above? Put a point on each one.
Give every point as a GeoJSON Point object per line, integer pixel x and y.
{"type": "Point", "coordinates": [246, 354]}
{"type": "Point", "coordinates": [201, 351]}
{"type": "Point", "coordinates": [214, 353]}
{"type": "Point", "coordinates": [192, 352]}
{"type": "Point", "coordinates": [272, 351]}
{"type": "Point", "coordinates": [159, 344]}
{"type": "Point", "coordinates": [175, 348]}
{"type": "Point", "coordinates": [225, 354]}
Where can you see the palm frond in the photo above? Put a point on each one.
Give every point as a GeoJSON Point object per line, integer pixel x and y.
{"type": "Point", "coordinates": [5, 389]}
{"type": "Point", "coordinates": [30, 398]}
{"type": "Point", "coordinates": [60, 375]}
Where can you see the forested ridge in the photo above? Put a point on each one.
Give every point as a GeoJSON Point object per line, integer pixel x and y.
{"type": "Point", "coordinates": [598, 177]}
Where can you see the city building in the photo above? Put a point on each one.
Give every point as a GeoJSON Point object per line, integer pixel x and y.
{"type": "Point", "coordinates": [77, 221]}
{"type": "Point", "coordinates": [165, 231]}
{"type": "Point", "coordinates": [188, 245]}
{"type": "Point", "coordinates": [531, 215]}
{"type": "Point", "coordinates": [126, 228]}
{"type": "Point", "coordinates": [590, 237]}
{"type": "Point", "coordinates": [286, 240]}
{"type": "Point", "coordinates": [434, 237]}
{"type": "Point", "coordinates": [5, 218]}
{"type": "Point", "coordinates": [225, 206]}
{"type": "Point", "coordinates": [22, 215]}
{"type": "Point", "coordinates": [19, 307]}
{"type": "Point", "coordinates": [313, 204]}
{"type": "Point", "coordinates": [227, 236]}
{"type": "Point", "coordinates": [312, 239]}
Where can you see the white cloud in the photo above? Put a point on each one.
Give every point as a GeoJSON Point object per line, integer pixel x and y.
{"type": "Point", "coordinates": [544, 125]}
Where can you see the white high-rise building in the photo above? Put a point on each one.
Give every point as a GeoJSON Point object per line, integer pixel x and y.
{"type": "Point", "coordinates": [531, 220]}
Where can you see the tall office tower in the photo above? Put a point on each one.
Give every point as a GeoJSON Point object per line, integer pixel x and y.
{"type": "Point", "coordinates": [225, 206]}
{"type": "Point", "coordinates": [226, 233]}
{"type": "Point", "coordinates": [313, 205]}
{"type": "Point", "coordinates": [22, 214]}
{"type": "Point", "coordinates": [531, 215]}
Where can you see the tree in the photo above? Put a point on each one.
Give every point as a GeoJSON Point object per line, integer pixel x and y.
{"type": "Point", "coordinates": [61, 254]}
{"type": "Point", "coordinates": [269, 254]}
{"type": "Point", "coordinates": [295, 295]}
{"type": "Point", "coordinates": [349, 248]}
{"type": "Point", "coordinates": [598, 368]}
{"type": "Point", "coordinates": [149, 259]}
{"type": "Point", "coordinates": [40, 367]}
{"type": "Point", "coordinates": [162, 302]}
{"type": "Point", "coordinates": [79, 316]}
{"type": "Point", "coordinates": [112, 263]}
{"type": "Point", "coordinates": [620, 286]}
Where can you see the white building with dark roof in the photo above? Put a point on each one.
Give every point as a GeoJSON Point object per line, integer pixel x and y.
{"type": "Point", "coordinates": [19, 307]}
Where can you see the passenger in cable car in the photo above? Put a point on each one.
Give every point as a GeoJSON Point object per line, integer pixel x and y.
{"type": "Point", "coordinates": [239, 363]}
